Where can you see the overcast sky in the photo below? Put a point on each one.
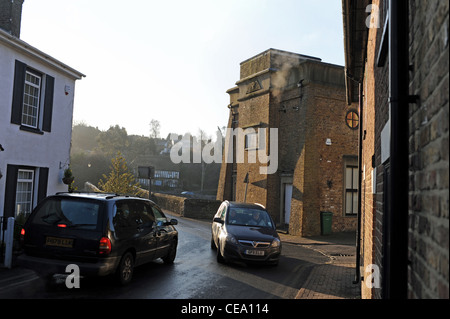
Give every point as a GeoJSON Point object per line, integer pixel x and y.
{"type": "Point", "coordinates": [172, 60]}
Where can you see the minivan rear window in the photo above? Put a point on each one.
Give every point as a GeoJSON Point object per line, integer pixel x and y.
{"type": "Point", "coordinates": [68, 213]}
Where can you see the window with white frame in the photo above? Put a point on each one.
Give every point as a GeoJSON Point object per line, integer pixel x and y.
{"type": "Point", "coordinates": [351, 190]}
{"type": "Point", "coordinates": [32, 102]}
{"type": "Point", "coordinates": [31, 99]}
{"type": "Point", "coordinates": [24, 191]}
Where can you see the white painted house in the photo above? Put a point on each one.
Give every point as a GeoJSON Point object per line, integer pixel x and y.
{"type": "Point", "coordinates": [36, 110]}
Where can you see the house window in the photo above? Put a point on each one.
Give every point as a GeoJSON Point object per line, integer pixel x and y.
{"type": "Point", "coordinates": [30, 110]}
{"type": "Point", "coordinates": [352, 120]}
{"type": "Point", "coordinates": [32, 101]}
{"type": "Point", "coordinates": [24, 191]}
{"type": "Point", "coordinates": [351, 190]}
{"type": "Point", "coordinates": [251, 141]}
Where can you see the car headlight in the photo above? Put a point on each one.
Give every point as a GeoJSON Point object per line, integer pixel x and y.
{"type": "Point", "coordinates": [231, 239]}
{"type": "Point", "coordinates": [276, 243]}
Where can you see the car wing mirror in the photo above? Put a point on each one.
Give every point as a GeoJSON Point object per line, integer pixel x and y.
{"type": "Point", "coordinates": [173, 221]}
{"type": "Point", "coordinates": [218, 220]}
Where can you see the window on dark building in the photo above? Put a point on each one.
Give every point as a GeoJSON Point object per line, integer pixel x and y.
{"type": "Point", "coordinates": [352, 119]}
{"type": "Point", "coordinates": [351, 190]}
{"type": "Point", "coordinates": [251, 141]}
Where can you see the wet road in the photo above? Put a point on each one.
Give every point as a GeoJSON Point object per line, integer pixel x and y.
{"type": "Point", "coordinates": [196, 274]}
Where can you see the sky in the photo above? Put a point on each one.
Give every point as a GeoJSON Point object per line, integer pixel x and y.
{"type": "Point", "coordinates": [172, 61]}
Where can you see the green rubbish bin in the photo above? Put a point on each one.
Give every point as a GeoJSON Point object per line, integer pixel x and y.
{"type": "Point", "coordinates": [326, 219]}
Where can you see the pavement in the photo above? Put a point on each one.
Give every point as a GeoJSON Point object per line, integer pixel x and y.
{"type": "Point", "coordinates": [331, 280]}
{"type": "Point", "coordinates": [17, 281]}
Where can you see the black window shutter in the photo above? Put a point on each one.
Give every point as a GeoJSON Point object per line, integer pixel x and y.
{"type": "Point", "coordinates": [48, 103]}
{"type": "Point", "coordinates": [43, 182]}
{"type": "Point", "coordinates": [18, 90]}
{"type": "Point", "coordinates": [10, 191]}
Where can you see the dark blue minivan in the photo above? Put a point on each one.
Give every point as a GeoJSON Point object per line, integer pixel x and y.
{"type": "Point", "coordinates": [101, 233]}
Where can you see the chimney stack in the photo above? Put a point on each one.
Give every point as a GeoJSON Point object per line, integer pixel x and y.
{"type": "Point", "coordinates": [11, 16]}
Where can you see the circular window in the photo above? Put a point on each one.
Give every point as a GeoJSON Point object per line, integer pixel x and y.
{"type": "Point", "coordinates": [352, 119]}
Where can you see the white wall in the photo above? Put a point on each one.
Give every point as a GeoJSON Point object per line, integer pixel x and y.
{"type": "Point", "coordinates": [52, 149]}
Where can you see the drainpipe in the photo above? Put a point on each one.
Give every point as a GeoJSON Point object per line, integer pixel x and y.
{"type": "Point", "coordinates": [397, 213]}
{"type": "Point", "coordinates": [358, 227]}
{"type": "Point", "coordinates": [246, 186]}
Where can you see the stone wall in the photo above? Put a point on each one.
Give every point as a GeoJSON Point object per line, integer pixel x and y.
{"type": "Point", "coordinates": [174, 204]}
{"type": "Point", "coordinates": [200, 208]}
{"type": "Point", "coordinates": [187, 207]}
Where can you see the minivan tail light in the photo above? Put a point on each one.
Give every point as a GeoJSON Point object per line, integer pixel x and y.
{"type": "Point", "coordinates": [105, 246]}
{"type": "Point", "coordinates": [22, 232]}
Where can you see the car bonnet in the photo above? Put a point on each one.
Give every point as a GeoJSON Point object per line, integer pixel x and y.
{"type": "Point", "coordinates": [252, 232]}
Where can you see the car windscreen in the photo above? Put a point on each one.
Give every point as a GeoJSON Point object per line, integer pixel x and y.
{"type": "Point", "coordinates": [69, 213]}
{"type": "Point", "coordinates": [248, 217]}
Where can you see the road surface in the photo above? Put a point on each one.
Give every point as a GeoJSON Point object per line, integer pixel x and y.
{"type": "Point", "coordinates": [196, 274]}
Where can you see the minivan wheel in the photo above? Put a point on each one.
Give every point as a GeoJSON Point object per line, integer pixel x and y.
{"type": "Point", "coordinates": [125, 269]}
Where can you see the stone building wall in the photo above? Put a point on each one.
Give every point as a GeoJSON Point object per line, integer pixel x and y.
{"type": "Point", "coordinates": [304, 99]}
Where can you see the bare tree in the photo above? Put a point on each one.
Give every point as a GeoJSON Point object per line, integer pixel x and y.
{"type": "Point", "coordinates": [155, 126]}
{"type": "Point", "coordinates": [204, 138]}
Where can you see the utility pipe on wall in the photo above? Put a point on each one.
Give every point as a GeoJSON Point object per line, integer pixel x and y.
{"type": "Point", "coordinates": [396, 270]}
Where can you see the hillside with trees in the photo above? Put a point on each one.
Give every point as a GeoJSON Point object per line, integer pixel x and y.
{"type": "Point", "coordinates": [93, 151]}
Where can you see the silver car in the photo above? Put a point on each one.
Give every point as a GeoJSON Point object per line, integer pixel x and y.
{"type": "Point", "coordinates": [245, 232]}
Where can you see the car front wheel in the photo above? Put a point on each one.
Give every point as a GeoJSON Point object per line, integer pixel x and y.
{"type": "Point", "coordinates": [219, 256]}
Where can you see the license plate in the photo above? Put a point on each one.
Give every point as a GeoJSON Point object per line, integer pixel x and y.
{"type": "Point", "coordinates": [59, 242]}
{"type": "Point", "coordinates": [254, 252]}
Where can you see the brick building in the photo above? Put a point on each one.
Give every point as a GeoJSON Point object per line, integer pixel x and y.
{"type": "Point", "coordinates": [316, 132]}
{"type": "Point", "coordinates": [397, 70]}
